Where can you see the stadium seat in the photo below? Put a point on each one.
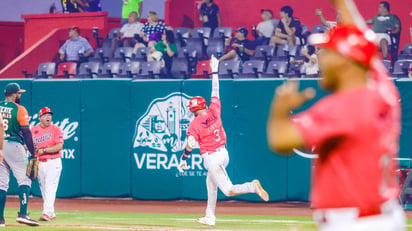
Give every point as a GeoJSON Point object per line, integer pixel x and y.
{"type": "Point", "coordinates": [252, 69]}
{"type": "Point", "coordinates": [400, 68]}
{"type": "Point", "coordinates": [110, 69]}
{"type": "Point", "coordinates": [215, 47]}
{"type": "Point", "coordinates": [88, 70]}
{"type": "Point", "coordinates": [103, 54]}
{"type": "Point", "coordinates": [201, 32]}
{"type": "Point", "coordinates": [319, 29]}
{"type": "Point", "coordinates": [123, 54]}
{"type": "Point", "coordinates": [264, 52]}
{"type": "Point", "coordinates": [276, 68]}
{"type": "Point", "coordinates": [304, 34]}
{"type": "Point", "coordinates": [195, 44]}
{"type": "Point", "coordinates": [129, 70]}
{"type": "Point", "coordinates": [150, 70]}
{"type": "Point", "coordinates": [141, 54]}
{"type": "Point", "coordinates": [202, 70]}
{"type": "Point", "coordinates": [222, 32]}
{"type": "Point", "coordinates": [113, 33]}
{"type": "Point", "coordinates": [44, 71]}
{"type": "Point", "coordinates": [296, 71]}
{"type": "Point", "coordinates": [229, 69]}
{"type": "Point", "coordinates": [388, 65]}
{"type": "Point", "coordinates": [181, 35]}
{"type": "Point", "coordinates": [281, 52]}
{"type": "Point", "coordinates": [180, 68]}
{"type": "Point", "coordinates": [406, 53]}
{"type": "Point", "coordinates": [66, 70]}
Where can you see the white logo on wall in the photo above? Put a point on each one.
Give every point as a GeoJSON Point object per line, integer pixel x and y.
{"type": "Point", "coordinates": [68, 129]}
{"type": "Point", "coordinates": [160, 135]}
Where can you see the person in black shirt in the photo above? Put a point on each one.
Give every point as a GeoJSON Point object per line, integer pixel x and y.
{"type": "Point", "coordinates": [210, 15]}
{"type": "Point", "coordinates": [288, 28]}
{"type": "Point", "coordinates": [239, 48]}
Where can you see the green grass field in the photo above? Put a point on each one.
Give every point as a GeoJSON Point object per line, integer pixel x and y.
{"type": "Point", "coordinates": [138, 221]}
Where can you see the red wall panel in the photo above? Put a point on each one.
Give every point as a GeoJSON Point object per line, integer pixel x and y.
{"type": "Point", "coordinates": [11, 41]}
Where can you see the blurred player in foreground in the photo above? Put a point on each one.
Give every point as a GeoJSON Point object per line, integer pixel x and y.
{"type": "Point", "coordinates": [355, 130]}
{"type": "Point", "coordinates": [207, 130]}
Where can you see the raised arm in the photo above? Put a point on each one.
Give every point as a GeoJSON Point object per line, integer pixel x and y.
{"type": "Point", "coordinates": [214, 65]}
{"type": "Point", "coordinates": [349, 13]}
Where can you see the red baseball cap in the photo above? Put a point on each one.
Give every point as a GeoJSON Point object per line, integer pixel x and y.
{"type": "Point", "coordinates": [75, 28]}
{"type": "Point", "coordinates": [349, 41]}
{"type": "Point", "coordinates": [45, 110]}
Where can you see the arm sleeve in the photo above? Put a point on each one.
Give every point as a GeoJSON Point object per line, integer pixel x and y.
{"type": "Point", "coordinates": [23, 116]}
{"type": "Point", "coordinates": [215, 105]}
{"type": "Point", "coordinates": [63, 48]}
{"type": "Point", "coordinates": [58, 136]}
{"type": "Point", "coordinates": [87, 47]}
{"type": "Point", "coordinates": [215, 85]}
{"type": "Point", "coordinates": [28, 139]}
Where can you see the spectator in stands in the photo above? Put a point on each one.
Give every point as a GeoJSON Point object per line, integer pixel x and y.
{"type": "Point", "coordinates": [76, 48]}
{"type": "Point", "coordinates": [210, 15]}
{"type": "Point", "coordinates": [265, 29]}
{"type": "Point", "coordinates": [328, 24]}
{"type": "Point", "coordinates": [410, 71]}
{"type": "Point", "coordinates": [239, 48]}
{"type": "Point", "coordinates": [125, 37]}
{"type": "Point", "coordinates": [164, 50]}
{"type": "Point", "coordinates": [73, 6]}
{"type": "Point", "coordinates": [385, 23]}
{"type": "Point", "coordinates": [288, 28]}
{"type": "Point", "coordinates": [130, 6]}
{"type": "Point", "coordinates": [310, 61]}
{"type": "Point", "coordinates": [93, 5]}
{"type": "Point", "coordinates": [152, 31]}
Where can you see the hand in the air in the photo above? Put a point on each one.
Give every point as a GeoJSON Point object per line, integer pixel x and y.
{"type": "Point", "coordinates": [288, 97]}
{"type": "Point", "coordinates": [318, 12]}
{"type": "Point", "coordinates": [182, 166]}
{"type": "Point", "coordinates": [214, 64]}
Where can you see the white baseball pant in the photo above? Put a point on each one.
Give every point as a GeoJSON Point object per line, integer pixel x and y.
{"type": "Point", "coordinates": [216, 164]}
{"type": "Point", "coordinates": [49, 176]}
{"type": "Point", "coordinates": [343, 219]}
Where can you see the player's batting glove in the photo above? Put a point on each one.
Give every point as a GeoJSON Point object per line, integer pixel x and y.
{"type": "Point", "coordinates": [214, 64]}
{"type": "Point", "coordinates": [182, 166]}
{"type": "Point", "coordinates": [33, 168]}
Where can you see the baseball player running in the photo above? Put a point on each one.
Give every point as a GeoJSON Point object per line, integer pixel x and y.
{"type": "Point", "coordinates": [49, 142]}
{"type": "Point", "coordinates": [16, 132]}
{"type": "Point", "coordinates": [355, 130]}
{"type": "Point", "coordinates": [207, 130]}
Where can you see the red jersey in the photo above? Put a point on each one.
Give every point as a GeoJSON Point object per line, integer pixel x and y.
{"type": "Point", "coordinates": [47, 137]}
{"type": "Point", "coordinates": [207, 128]}
{"type": "Point", "coordinates": [356, 134]}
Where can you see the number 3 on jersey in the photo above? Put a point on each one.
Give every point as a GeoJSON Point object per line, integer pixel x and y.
{"type": "Point", "coordinates": [216, 132]}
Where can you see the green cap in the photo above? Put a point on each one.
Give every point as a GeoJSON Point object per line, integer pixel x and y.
{"type": "Point", "coordinates": [12, 88]}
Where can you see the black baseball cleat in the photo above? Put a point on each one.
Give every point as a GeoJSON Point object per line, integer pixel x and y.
{"type": "Point", "coordinates": [25, 219]}
{"type": "Point", "coordinates": [2, 222]}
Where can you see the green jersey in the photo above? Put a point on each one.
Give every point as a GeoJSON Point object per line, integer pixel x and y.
{"type": "Point", "coordinates": [382, 23]}
{"type": "Point", "coordinates": [14, 117]}
{"type": "Point", "coordinates": [132, 5]}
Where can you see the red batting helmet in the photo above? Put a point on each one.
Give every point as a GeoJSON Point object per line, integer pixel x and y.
{"type": "Point", "coordinates": [197, 103]}
{"type": "Point", "coordinates": [349, 41]}
{"type": "Point", "coordinates": [45, 110]}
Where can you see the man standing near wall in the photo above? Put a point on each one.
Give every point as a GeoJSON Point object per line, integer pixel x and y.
{"type": "Point", "coordinates": [49, 143]}
{"type": "Point", "coordinates": [130, 6]}
{"type": "Point", "coordinates": [17, 133]}
{"type": "Point", "coordinates": [355, 130]}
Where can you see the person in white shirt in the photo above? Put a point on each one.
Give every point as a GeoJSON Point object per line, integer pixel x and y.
{"type": "Point", "coordinates": [310, 61]}
{"type": "Point", "coordinates": [125, 37]}
{"type": "Point", "coordinates": [265, 28]}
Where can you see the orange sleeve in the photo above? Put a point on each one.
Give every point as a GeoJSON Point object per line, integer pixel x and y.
{"type": "Point", "coordinates": [22, 116]}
